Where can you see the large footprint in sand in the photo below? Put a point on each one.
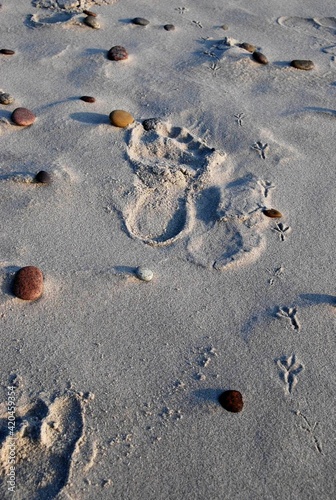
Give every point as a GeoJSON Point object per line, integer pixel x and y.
{"type": "Point", "coordinates": [186, 191]}
{"type": "Point", "coordinates": [46, 438]}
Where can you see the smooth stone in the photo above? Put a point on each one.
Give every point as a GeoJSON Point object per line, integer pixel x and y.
{"type": "Point", "coordinates": [92, 22]}
{"type": "Point", "coordinates": [272, 213]}
{"type": "Point", "coordinates": [87, 98]}
{"type": "Point", "coordinates": [231, 401]}
{"type": "Point", "coordinates": [306, 65]}
{"type": "Point", "coordinates": [28, 283]}
{"type": "Point", "coordinates": [169, 27]}
{"type": "Point", "coordinates": [89, 13]}
{"type": "Point", "coordinates": [43, 177]}
{"type": "Point", "coordinates": [144, 274]}
{"type": "Point", "coordinates": [120, 118]}
{"type": "Point", "coordinates": [249, 47]}
{"type": "Point", "coordinates": [150, 124]}
{"type": "Point", "coordinates": [259, 57]}
{"type": "Point", "coordinates": [6, 99]}
{"type": "Point", "coordinates": [7, 52]}
{"type": "Point", "coordinates": [117, 53]}
{"type": "Point", "coordinates": [225, 27]}
{"type": "Point", "coordinates": [140, 21]}
{"type": "Point", "coordinates": [23, 117]}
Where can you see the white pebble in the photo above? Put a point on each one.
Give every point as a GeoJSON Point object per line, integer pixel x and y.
{"type": "Point", "coordinates": [144, 274]}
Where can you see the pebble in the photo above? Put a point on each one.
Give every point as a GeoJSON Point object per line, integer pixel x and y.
{"type": "Point", "coordinates": [92, 22]}
{"type": "Point", "coordinates": [259, 57]}
{"type": "Point", "coordinates": [89, 13]}
{"type": "Point", "coordinates": [23, 117]}
{"type": "Point", "coordinates": [6, 99]}
{"type": "Point", "coordinates": [150, 123]}
{"type": "Point", "coordinates": [169, 27]}
{"type": "Point", "coordinates": [302, 64]}
{"type": "Point", "coordinates": [7, 52]}
{"type": "Point", "coordinates": [249, 47]}
{"type": "Point", "coordinates": [144, 274]}
{"type": "Point", "coordinates": [225, 27]}
{"type": "Point", "coordinates": [43, 177]}
{"type": "Point", "coordinates": [140, 21]}
{"type": "Point", "coordinates": [231, 401]}
{"type": "Point", "coordinates": [117, 53]}
{"type": "Point", "coordinates": [272, 213]}
{"type": "Point", "coordinates": [87, 98]}
{"type": "Point", "coordinates": [28, 283]}
{"type": "Point", "coordinates": [120, 118]}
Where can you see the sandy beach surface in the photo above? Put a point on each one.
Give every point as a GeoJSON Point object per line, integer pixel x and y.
{"type": "Point", "coordinates": [110, 384]}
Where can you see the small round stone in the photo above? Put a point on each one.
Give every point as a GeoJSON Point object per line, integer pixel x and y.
{"type": "Point", "coordinates": [140, 21]}
{"type": "Point", "coordinates": [120, 118]}
{"type": "Point", "coordinates": [272, 213]}
{"type": "Point", "coordinates": [169, 27]}
{"type": "Point", "coordinates": [23, 117]}
{"type": "Point", "coordinates": [150, 123]}
{"type": "Point", "coordinates": [225, 27]}
{"type": "Point", "coordinates": [7, 52]}
{"type": "Point", "coordinates": [248, 46]}
{"type": "Point", "coordinates": [92, 22]}
{"type": "Point", "coordinates": [6, 99]}
{"type": "Point", "coordinates": [117, 53]}
{"type": "Point", "coordinates": [144, 274]}
{"type": "Point", "coordinates": [28, 283]}
{"type": "Point", "coordinates": [231, 401]}
{"type": "Point", "coordinates": [259, 57]}
{"type": "Point", "coordinates": [89, 13]}
{"type": "Point", "coordinates": [87, 98]}
{"type": "Point", "coordinates": [43, 177]}
{"type": "Point", "coordinates": [306, 65]}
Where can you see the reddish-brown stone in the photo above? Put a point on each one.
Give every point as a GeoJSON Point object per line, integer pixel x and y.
{"type": "Point", "coordinates": [117, 53]}
{"type": "Point", "coordinates": [28, 283]}
{"type": "Point", "coordinates": [272, 213]}
{"type": "Point", "coordinates": [89, 13]}
{"type": "Point", "coordinates": [23, 117]}
{"type": "Point", "coordinates": [87, 98]}
{"type": "Point", "coordinates": [231, 401]}
{"type": "Point", "coordinates": [7, 52]}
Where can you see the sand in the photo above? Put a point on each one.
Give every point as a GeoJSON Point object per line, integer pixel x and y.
{"type": "Point", "coordinates": [115, 381]}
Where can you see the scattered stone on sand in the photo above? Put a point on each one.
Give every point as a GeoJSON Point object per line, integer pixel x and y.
{"type": "Point", "coordinates": [306, 65]}
{"type": "Point", "coordinates": [120, 118]}
{"type": "Point", "coordinates": [43, 177]}
{"type": "Point", "coordinates": [150, 123]}
{"type": "Point", "coordinates": [140, 21]}
{"type": "Point", "coordinates": [89, 13]}
{"type": "Point", "coordinates": [7, 52]}
{"type": "Point", "coordinates": [249, 47]}
{"type": "Point", "coordinates": [92, 22]}
{"type": "Point", "coordinates": [87, 98]}
{"type": "Point", "coordinates": [117, 53]}
{"type": "Point", "coordinates": [259, 57]}
{"type": "Point", "coordinates": [231, 401]}
{"type": "Point", "coordinates": [23, 117]}
{"type": "Point", "coordinates": [28, 283]}
{"type": "Point", "coordinates": [6, 98]}
{"type": "Point", "coordinates": [225, 27]}
{"type": "Point", "coordinates": [144, 274]}
{"type": "Point", "coordinates": [169, 27]}
{"type": "Point", "coordinates": [272, 213]}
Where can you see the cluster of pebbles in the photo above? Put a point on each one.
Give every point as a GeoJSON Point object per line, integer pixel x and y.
{"type": "Point", "coordinates": [260, 58]}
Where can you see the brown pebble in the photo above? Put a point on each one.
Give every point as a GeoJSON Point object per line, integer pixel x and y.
{"type": "Point", "coordinates": [249, 47]}
{"type": "Point", "coordinates": [231, 401]}
{"type": "Point", "coordinates": [89, 13]}
{"type": "Point", "coordinates": [259, 57]}
{"type": "Point", "coordinates": [120, 118]}
{"type": "Point", "coordinates": [28, 283]}
{"type": "Point", "coordinates": [140, 21]}
{"type": "Point", "coordinates": [117, 53]}
{"type": "Point", "coordinates": [87, 98]}
{"type": "Point", "coordinates": [306, 65]}
{"type": "Point", "coordinates": [92, 22]}
{"type": "Point", "coordinates": [6, 98]}
{"type": "Point", "coordinates": [225, 27]}
{"type": "Point", "coordinates": [7, 52]}
{"type": "Point", "coordinates": [43, 177]}
{"type": "Point", "coordinates": [23, 117]}
{"type": "Point", "coordinates": [169, 27]}
{"type": "Point", "coordinates": [272, 213]}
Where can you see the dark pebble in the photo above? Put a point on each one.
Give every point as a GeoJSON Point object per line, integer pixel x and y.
{"type": "Point", "coordinates": [150, 123]}
{"type": "Point", "coordinates": [87, 98]}
{"type": "Point", "coordinates": [89, 13]}
{"type": "Point", "coordinates": [7, 52]}
{"type": "Point", "coordinates": [140, 21]}
{"type": "Point", "coordinates": [169, 27]}
{"type": "Point", "coordinates": [231, 401]}
{"type": "Point", "coordinates": [306, 65]}
{"type": "Point", "coordinates": [28, 283]}
{"type": "Point", "coordinates": [259, 57]}
{"type": "Point", "coordinates": [43, 177]}
{"type": "Point", "coordinates": [117, 53]}
{"type": "Point", "coordinates": [272, 213]}
{"type": "Point", "coordinates": [248, 46]}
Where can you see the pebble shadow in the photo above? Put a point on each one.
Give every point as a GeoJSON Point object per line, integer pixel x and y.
{"type": "Point", "coordinates": [91, 118]}
{"type": "Point", "coordinates": [7, 282]}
